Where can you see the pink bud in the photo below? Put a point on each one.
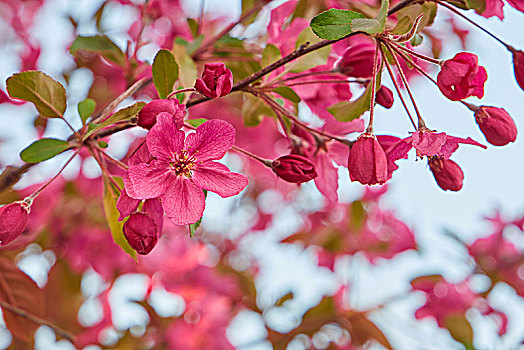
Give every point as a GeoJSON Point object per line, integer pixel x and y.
{"type": "Point", "coordinates": [447, 173]}
{"type": "Point", "coordinates": [13, 218]}
{"type": "Point", "coordinates": [141, 233]}
{"type": "Point", "coordinates": [217, 80]}
{"type": "Point", "coordinates": [461, 77]}
{"type": "Point", "coordinates": [518, 66]}
{"type": "Point", "coordinates": [367, 161]}
{"type": "Point", "coordinates": [294, 168]}
{"type": "Point", "coordinates": [357, 60]}
{"type": "Point", "coordinates": [147, 116]}
{"type": "Point", "coordinates": [385, 97]}
{"type": "Point", "coordinates": [496, 125]}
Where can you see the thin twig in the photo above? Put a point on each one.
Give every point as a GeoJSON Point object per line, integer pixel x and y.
{"type": "Point", "coordinates": [35, 319]}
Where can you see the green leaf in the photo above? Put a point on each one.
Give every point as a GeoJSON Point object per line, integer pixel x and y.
{"type": "Point", "coordinates": [253, 109]}
{"type": "Point", "coordinates": [366, 25]}
{"type": "Point", "coordinates": [287, 93]}
{"type": "Point", "coordinates": [111, 195]}
{"type": "Point", "coordinates": [165, 72]}
{"type": "Point", "coordinates": [383, 14]}
{"type": "Point", "coordinates": [402, 27]}
{"type": "Point", "coordinates": [334, 24]}
{"type": "Point", "coordinates": [99, 44]}
{"type": "Point", "coordinates": [121, 115]}
{"type": "Point", "coordinates": [193, 26]}
{"type": "Point", "coordinates": [346, 111]}
{"type": "Point", "coordinates": [187, 68]}
{"type": "Point", "coordinates": [478, 5]}
{"type": "Point", "coordinates": [429, 9]}
{"type": "Point", "coordinates": [271, 54]}
{"type": "Point", "coordinates": [196, 122]}
{"type": "Point", "coordinates": [48, 95]}
{"type": "Point", "coordinates": [417, 40]}
{"type": "Point", "coordinates": [460, 329]}
{"type": "Point", "coordinates": [86, 109]}
{"type": "Point", "coordinates": [43, 149]}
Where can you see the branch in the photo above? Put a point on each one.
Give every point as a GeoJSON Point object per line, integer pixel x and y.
{"type": "Point", "coordinates": [35, 319]}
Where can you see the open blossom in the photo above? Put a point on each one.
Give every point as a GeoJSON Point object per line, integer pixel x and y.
{"type": "Point", "coordinates": [181, 169]}
{"type": "Point", "coordinates": [13, 218]}
{"type": "Point", "coordinates": [447, 173]}
{"type": "Point", "coordinates": [294, 168]}
{"type": "Point", "coordinates": [496, 124]}
{"type": "Point", "coordinates": [367, 162]}
{"type": "Point", "coordinates": [217, 80]}
{"type": "Point", "coordinates": [462, 77]}
{"type": "Point", "coordinates": [147, 115]}
{"type": "Point", "coordinates": [427, 143]}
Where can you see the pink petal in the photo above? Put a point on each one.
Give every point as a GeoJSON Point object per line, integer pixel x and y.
{"type": "Point", "coordinates": [216, 177]}
{"type": "Point", "coordinates": [428, 143]}
{"type": "Point", "coordinates": [452, 143]}
{"type": "Point", "coordinates": [148, 180]}
{"type": "Point", "coordinates": [211, 141]}
{"type": "Point", "coordinates": [183, 202]}
{"type": "Point", "coordinates": [164, 139]}
{"type": "Point", "coordinates": [478, 82]}
{"type": "Point", "coordinates": [327, 179]}
{"type": "Point", "coordinates": [339, 153]}
{"type": "Point", "coordinates": [153, 208]}
{"type": "Point", "coordinates": [126, 205]}
{"type": "Point", "coordinates": [141, 155]}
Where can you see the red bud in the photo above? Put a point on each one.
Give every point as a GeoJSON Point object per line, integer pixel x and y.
{"type": "Point", "coordinates": [217, 80]}
{"type": "Point", "coordinates": [518, 66]}
{"type": "Point", "coordinates": [147, 115]}
{"type": "Point", "coordinates": [496, 124]}
{"type": "Point", "coordinates": [13, 219]}
{"type": "Point", "coordinates": [385, 97]}
{"type": "Point", "coordinates": [294, 168]}
{"type": "Point", "coordinates": [367, 161]}
{"type": "Point", "coordinates": [141, 233]}
{"type": "Point", "coordinates": [447, 173]}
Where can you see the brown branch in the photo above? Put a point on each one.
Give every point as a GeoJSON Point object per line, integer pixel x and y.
{"type": "Point", "coordinates": [35, 319]}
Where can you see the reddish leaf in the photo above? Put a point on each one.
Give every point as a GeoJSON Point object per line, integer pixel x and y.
{"type": "Point", "coordinates": [18, 290]}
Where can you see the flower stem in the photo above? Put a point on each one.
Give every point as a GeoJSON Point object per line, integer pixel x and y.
{"type": "Point", "coordinates": [369, 129]}
{"type": "Point", "coordinates": [180, 91]}
{"type": "Point", "coordinates": [29, 200]}
{"type": "Point", "coordinates": [457, 12]}
{"type": "Point", "coordinates": [397, 88]}
{"type": "Point", "coordinates": [421, 123]}
{"type": "Point", "coordinates": [419, 55]}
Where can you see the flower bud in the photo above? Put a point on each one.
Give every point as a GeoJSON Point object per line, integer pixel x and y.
{"type": "Point", "coordinates": [147, 115]}
{"type": "Point", "coordinates": [518, 66]}
{"type": "Point", "coordinates": [447, 173]}
{"type": "Point", "coordinates": [357, 60]}
{"type": "Point", "coordinates": [385, 97]}
{"type": "Point", "coordinates": [461, 77]}
{"type": "Point", "coordinates": [496, 124]}
{"type": "Point", "coordinates": [141, 233]}
{"type": "Point", "coordinates": [217, 80]}
{"type": "Point", "coordinates": [294, 168]}
{"type": "Point", "coordinates": [367, 162]}
{"type": "Point", "coordinates": [13, 219]}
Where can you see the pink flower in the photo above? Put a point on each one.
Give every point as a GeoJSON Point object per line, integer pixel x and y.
{"type": "Point", "coordinates": [496, 124]}
{"type": "Point", "coordinates": [13, 219]}
{"type": "Point", "coordinates": [180, 170]}
{"type": "Point", "coordinates": [518, 66]}
{"type": "Point", "coordinates": [461, 77]}
{"type": "Point", "coordinates": [217, 80]}
{"type": "Point", "coordinates": [428, 143]}
{"type": "Point", "coordinates": [447, 173]}
{"type": "Point", "coordinates": [367, 162]}
{"type": "Point", "coordinates": [141, 233]}
{"type": "Point", "coordinates": [294, 168]}
{"type": "Point", "coordinates": [147, 115]}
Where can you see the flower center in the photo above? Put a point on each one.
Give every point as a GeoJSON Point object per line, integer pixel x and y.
{"type": "Point", "coordinates": [183, 164]}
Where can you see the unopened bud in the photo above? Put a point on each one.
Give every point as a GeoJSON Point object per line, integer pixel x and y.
{"type": "Point", "coordinates": [518, 66]}
{"type": "Point", "coordinates": [141, 233]}
{"type": "Point", "coordinates": [217, 80]}
{"type": "Point", "coordinates": [496, 124]}
{"type": "Point", "coordinates": [385, 97]}
{"type": "Point", "coordinates": [13, 219]}
{"type": "Point", "coordinates": [147, 115]}
{"type": "Point", "coordinates": [367, 162]}
{"type": "Point", "coordinates": [294, 168]}
{"type": "Point", "coordinates": [447, 173]}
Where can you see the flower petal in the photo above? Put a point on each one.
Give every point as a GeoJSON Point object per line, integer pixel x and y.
{"type": "Point", "coordinates": [183, 202]}
{"type": "Point", "coordinates": [452, 143]}
{"type": "Point", "coordinates": [164, 139]}
{"type": "Point", "coordinates": [212, 140]}
{"type": "Point", "coordinates": [327, 179]}
{"type": "Point", "coordinates": [428, 143]}
{"type": "Point", "coordinates": [216, 177]}
{"type": "Point", "coordinates": [145, 181]}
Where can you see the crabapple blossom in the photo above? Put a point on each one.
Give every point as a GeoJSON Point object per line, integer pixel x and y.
{"type": "Point", "coordinates": [461, 77]}
{"type": "Point", "coordinates": [216, 81]}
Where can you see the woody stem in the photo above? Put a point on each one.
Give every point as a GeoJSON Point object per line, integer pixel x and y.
{"type": "Point", "coordinates": [191, 89]}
